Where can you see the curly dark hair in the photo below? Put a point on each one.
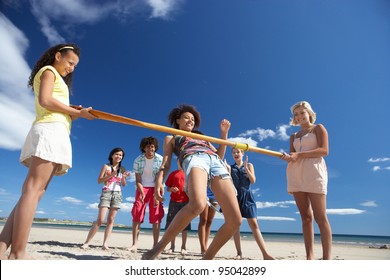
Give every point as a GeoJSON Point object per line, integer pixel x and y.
{"type": "Point", "coordinates": [181, 109]}
{"type": "Point", "coordinates": [148, 141]}
{"type": "Point", "coordinates": [48, 57]}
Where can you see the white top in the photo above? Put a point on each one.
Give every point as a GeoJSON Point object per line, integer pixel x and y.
{"type": "Point", "coordinates": [148, 179]}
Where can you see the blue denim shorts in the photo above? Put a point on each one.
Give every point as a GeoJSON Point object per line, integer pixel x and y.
{"type": "Point", "coordinates": [212, 164]}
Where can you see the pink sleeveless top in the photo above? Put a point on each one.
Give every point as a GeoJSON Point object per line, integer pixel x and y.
{"type": "Point", "coordinates": [307, 174]}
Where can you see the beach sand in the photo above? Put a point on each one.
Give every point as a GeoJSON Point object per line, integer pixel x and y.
{"type": "Point", "coordinates": [64, 244]}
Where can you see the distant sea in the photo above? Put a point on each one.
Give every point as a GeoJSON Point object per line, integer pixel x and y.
{"type": "Point", "coordinates": [345, 239]}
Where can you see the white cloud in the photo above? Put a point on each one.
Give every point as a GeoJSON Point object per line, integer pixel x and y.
{"type": "Point", "coordinates": [163, 8]}
{"type": "Point", "coordinates": [93, 206]}
{"type": "Point", "coordinates": [280, 204]}
{"type": "Point", "coordinates": [373, 160]}
{"type": "Point", "coordinates": [126, 207]}
{"type": "Point", "coordinates": [70, 199]}
{"type": "Point", "coordinates": [379, 160]}
{"type": "Point", "coordinates": [52, 35]}
{"type": "Point", "coordinates": [243, 140]}
{"type": "Point", "coordinates": [130, 199]}
{"type": "Point", "coordinates": [345, 211]}
{"type": "Point", "coordinates": [369, 203]}
{"type": "Point", "coordinates": [270, 218]}
{"type": "Point", "coordinates": [263, 134]}
{"type": "Point", "coordinates": [255, 191]}
{"type": "Point", "coordinates": [66, 14]}
{"type": "Point", "coordinates": [131, 178]}
{"type": "Point", "coordinates": [16, 100]}
{"type": "Point", "coordinates": [282, 132]}
{"type": "Point", "coordinates": [376, 168]}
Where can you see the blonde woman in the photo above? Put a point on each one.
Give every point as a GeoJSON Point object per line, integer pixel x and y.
{"type": "Point", "coordinates": [307, 176]}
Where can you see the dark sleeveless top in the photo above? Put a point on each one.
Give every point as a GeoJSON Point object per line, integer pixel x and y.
{"type": "Point", "coordinates": [245, 197]}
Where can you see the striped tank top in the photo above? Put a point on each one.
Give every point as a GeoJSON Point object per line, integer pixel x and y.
{"type": "Point", "coordinates": [185, 146]}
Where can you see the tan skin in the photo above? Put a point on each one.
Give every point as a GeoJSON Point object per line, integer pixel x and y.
{"type": "Point", "coordinates": [104, 175]}
{"type": "Point", "coordinates": [64, 64]}
{"type": "Point", "coordinates": [196, 185]}
{"type": "Point", "coordinates": [16, 231]}
{"type": "Point", "coordinates": [204, 227]}
{"type": "Point", "coordinates": [311, 205]}
{"type": "Point", "coordinates": [238, 156]}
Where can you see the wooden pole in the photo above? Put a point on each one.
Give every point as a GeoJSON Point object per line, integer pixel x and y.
{"type": "Point", "coordinates": [120, 119]}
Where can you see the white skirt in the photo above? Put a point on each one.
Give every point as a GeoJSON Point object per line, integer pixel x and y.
{"type": "Point", "coordinates": [48, 141]}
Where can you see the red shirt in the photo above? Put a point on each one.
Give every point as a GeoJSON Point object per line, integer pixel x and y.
{"type": "Point", "coordinates": [177, 179]}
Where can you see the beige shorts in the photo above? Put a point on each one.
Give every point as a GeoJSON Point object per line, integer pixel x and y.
{"type": "Point", "coordinates": [51, 142]}
{"type": "Point", "coordinates": [110, 199]}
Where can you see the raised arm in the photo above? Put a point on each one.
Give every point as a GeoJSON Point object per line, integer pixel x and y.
{"type": "Point", "coordinates": [250, 170]}
{"type": "Point", "coordinates": [225, 126]}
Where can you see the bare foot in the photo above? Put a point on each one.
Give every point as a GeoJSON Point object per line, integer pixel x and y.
{"type": "Point", "coordinates": [149, 255]}
{"type": "Point", "coordinates": [268, 257]}
{"type": "Point", "coordinates": [104, 247]}
{"type": "Point", "coordinates": [84, 246]}
{"type": "Point", "coordinates": [24, 256]}
{"type": "Point", "coordinates": [133, 249]}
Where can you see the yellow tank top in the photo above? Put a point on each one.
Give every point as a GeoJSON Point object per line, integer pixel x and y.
{"type": "Point", "coordinates": [60, 92]}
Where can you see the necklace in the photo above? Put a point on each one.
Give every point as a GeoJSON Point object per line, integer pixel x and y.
{"type": "Point", "coordinates": [302, 133]}
{"type": "Point", "coordinates": [306, 131]}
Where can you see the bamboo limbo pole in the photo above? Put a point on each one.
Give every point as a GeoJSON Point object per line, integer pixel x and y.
{"type": "Point", "coordinates": [120, 119]}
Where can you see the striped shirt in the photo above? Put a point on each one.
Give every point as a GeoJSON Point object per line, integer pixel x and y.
{"type": "Point", "coordinates": [185, 146]}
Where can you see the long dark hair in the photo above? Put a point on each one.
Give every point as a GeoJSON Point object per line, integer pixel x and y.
{"type": "Point", "coordinates": [113, 151]}
{"type": "Point", "coordinates": [48, 58]}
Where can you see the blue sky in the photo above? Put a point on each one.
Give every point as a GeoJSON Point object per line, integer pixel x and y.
{"type": "Point", "coordinates": [247, 61]}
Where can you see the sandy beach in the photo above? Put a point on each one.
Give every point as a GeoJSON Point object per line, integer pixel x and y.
{"type": "Point", "coordinates": [64, 244]}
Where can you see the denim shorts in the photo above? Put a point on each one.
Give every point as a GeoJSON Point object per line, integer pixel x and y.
{"type": "Point", "coordinates": [110, 199]}
{"type": "Point", "coordinates": [212, 164]}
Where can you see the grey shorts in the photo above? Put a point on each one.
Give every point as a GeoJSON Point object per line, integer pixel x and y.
{"type": "Point", "coordinates": [110, 199]}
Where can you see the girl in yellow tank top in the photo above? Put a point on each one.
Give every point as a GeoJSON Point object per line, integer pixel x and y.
{"type": "Point", "coordinates": [47, 150]}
